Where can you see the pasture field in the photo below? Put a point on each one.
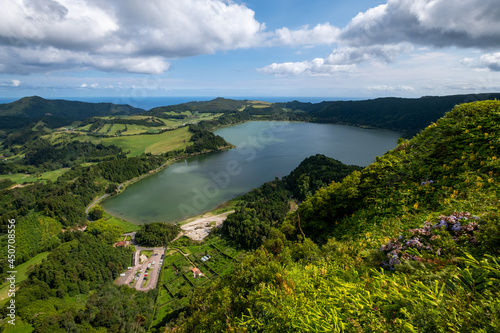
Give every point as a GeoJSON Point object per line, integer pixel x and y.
{"type": "Point", "coordinates": [117, 128]}
{"type": "Point", "coordinates": [139, 144]}
{"type": "Point", "coordinates": [21, 178]}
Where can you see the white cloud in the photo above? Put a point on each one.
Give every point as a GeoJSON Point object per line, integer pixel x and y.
{"type": "Point", "coordinates": [385, 32]}
{"type": "Point", "coordinates": [317, 67]}
{"type": "Point", "coordinates": [83, 85]}
{"type": "Point", "coordinates": [439, 23]}
{"type": "Point", "coordinates": [343, 59]}
{"type": "Point", "coordinates": [120, 35]}
{"type": "Point", "coordinates": [390, 88]}
{"type": "Point", "coordinates": [491, 60]}
{"type": "Point", "coordinates": [320, 34]}
{"type": "Point", "coordinates": [45, 59]}
{"type": "Point", "coordinates": [15, 83]}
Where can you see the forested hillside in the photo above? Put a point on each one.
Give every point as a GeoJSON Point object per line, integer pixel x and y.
{"type": "Point", "coordinates": [56, 112]}
{"type": "Point", "coordinates": [265, 208]}
{"type": "Point", "coordinates": [407, 115]}
{"type": "Point", "coordinates": [410, 243]}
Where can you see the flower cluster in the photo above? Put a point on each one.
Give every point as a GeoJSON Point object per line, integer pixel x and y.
{"type": "Point", "coordinates": [427, 182]}
{"type": "Point", "coordinates": [460, 226]}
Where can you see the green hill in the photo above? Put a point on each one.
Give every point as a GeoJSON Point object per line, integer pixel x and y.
{"type": "Point", "coordinates": [408, 115]}
{"type": "Point", "coordinates": [218, 105]}
{"type": "Point", "coordinates": [56, 112]}
{"type": "Point", "coordinates": [411, 243]}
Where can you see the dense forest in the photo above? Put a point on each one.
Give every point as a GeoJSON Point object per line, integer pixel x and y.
{"type": "Point", "coordinates": [204, 140]}
{"type": "Point", "coordinates": [157, 234]}
{"type": "Point", "coordinates": [56, 113]}
{"type": "Point", "coordinates": [72, 290]}
{"type": "Point", "coordinates": [407, 115]}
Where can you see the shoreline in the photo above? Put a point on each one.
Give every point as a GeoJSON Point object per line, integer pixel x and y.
{"type": "Point", "coordinates": [123, 186]}
{"type": "Point", "coordinates": [199, 227]}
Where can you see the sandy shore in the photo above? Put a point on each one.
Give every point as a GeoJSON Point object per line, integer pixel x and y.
{"type": "Point", "coordinates": [199, 227]}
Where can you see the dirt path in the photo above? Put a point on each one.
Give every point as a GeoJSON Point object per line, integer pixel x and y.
{"type": "Point", "coordinates": [199, 228]}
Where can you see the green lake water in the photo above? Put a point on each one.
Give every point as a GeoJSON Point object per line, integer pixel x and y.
{"type": "Point", "coordinates": [265, 150]}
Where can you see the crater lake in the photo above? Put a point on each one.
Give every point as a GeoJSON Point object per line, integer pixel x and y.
{"type": "Point", "coordinates": [264, 150]}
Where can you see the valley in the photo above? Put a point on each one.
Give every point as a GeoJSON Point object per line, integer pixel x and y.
{"type": "Point", "coordinates": [410, 231]}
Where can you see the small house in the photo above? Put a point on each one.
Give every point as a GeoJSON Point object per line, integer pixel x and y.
{"type": "Point", "coordinates": [196, 272]}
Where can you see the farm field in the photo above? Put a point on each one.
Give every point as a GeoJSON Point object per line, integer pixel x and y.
{"type": "Point", "coordinates": [21, 178]}
{"type": "Point", "coordinates": [139, 144]}
{"type": "Point", "coordinates": [177, 279]}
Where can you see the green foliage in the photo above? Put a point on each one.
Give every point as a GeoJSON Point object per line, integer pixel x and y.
{"type": "Point", "coordinates": [96, 213]}
{"type": "Point", "coordinates": [452, 160]}
{"type": "Point", "coordinates": [157, 234]}
{"type": "Point", "coordinates": [204, 140]}
{"type": "Point", "coordinates": [267, 206]}
{"type": "Point", "coordinates": [35, 233]}
{"type": "Point", "coordinates": [57, 112]}
{"type": "Point", "coordinates": [218, 105]}
{"type": "Point", "coordinates": [109, 233]}
{"type": "Point", "coordinates": [6, 183]}
{"type": "Point", "coordinates": [49, 156]}
{"type": "Point", "coordinates": [320, 269]}
{"type": "Point", "coordinates": [314, 173]}
{"type": "Point", "coordinates": [54, 297]}
{"type": "Point", "coordinates": [407, 115]}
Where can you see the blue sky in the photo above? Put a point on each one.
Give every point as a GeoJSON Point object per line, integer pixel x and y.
{"type": "Point", "coordinates": [334, 48]}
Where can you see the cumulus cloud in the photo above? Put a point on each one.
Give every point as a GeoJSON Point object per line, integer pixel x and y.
{"type": "Point", "coordinates": [439, 23]}
{"type": "Point", "coordinates": [119, 35]}
{"type": "Point", "coordinates": [321, 34]}
{"type": "Point", "coordinates": [317, 67]}
{"type": "Point", "coordinates": [384, 32]}
{"type": "Point", "coordinates": [492, 61]}
{"type": "Point", "coordinates": [12, 83]}
{"type": "Point", "coordinates": [344, 59]}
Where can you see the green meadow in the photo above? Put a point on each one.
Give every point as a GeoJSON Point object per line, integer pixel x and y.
{"type": "Point", "coordinates": [136, 145]}
{"type": "Point", "coordinates": [21, 178]}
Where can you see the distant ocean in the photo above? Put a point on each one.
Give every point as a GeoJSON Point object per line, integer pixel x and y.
{"type": "Point", "coordinates": [148, 103]}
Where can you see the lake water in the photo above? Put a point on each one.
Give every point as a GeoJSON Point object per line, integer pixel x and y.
{"type": "Point", "coordinates": [265, 150]}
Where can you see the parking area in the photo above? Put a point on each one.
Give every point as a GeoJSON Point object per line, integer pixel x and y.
{"type": "Point", "coordinates": [144, 275]}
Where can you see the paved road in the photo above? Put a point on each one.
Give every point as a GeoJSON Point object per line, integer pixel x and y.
{"type": "Point", "coordinates": [95, 202]}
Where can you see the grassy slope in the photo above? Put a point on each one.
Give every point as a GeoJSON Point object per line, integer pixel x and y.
{"type": "Point", "coordinates": [22, 177]}
{"type": "Point", "coordinates": [22, 274]}
{"type": "Point", "coordinates": [126, 226]}
{"type": "Point", "coordinates": [154, 143]}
